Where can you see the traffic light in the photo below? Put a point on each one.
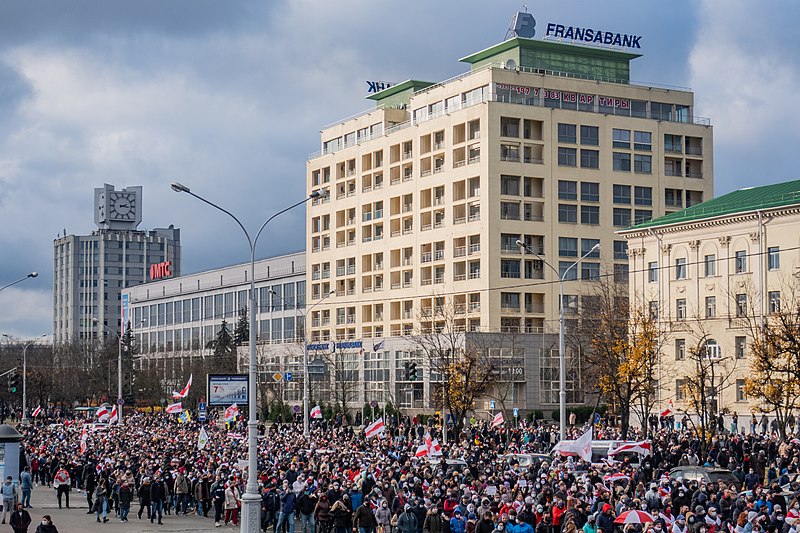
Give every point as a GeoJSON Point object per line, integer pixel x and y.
{"type": "Point", "coordinates": [13, 382]}
{"type": "Point", "coordinates": [412, 372]}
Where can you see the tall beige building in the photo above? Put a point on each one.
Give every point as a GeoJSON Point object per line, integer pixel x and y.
{"type": "Point", "coordinates": [429, 191]}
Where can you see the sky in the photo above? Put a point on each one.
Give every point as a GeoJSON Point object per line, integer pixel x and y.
{"type": "Point", "coordinates": [229, 98]}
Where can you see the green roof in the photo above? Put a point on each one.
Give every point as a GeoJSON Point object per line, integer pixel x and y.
{"type": "Point", "coordinates": [413, 85]}
{"type": "Point", "coordinates": [518, 42]}
{"type": "Point", "coordinates": [741, 201]}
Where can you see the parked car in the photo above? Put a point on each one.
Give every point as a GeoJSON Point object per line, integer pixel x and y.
{"type": "Point", "coordinates": [704, 474]}
{"type": "Point", "coordinates": [526, 460]}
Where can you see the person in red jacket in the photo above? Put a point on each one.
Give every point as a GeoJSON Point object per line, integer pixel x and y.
{"type": "Point", "coordinates": [557, 512]}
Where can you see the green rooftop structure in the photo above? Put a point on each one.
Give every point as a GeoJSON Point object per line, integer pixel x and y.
{"type": "Point", "coordinates": [742, 201]}
{"type": "Point", "coordinates": [586, 62]}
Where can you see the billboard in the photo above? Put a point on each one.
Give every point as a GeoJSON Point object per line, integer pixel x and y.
{"type": "Point", "coordinates": [226, 389]}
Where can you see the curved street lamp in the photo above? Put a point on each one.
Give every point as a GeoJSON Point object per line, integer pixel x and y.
{"type": "Point", "coordinates": [31, 275]}
{"type": "Point", "coordinates": [251, 499]}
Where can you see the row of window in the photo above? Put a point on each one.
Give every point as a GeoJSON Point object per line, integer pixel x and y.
{"type": "Point", "coordinates": [225, 305]}
{"type": "Point", "coordinates": [590, 192]}
{"type": "Point", "coordinates": [590, 136]}
{"type": "Point", "coordinates": [590, 215]}
{"type": "Point", "coordinates": [710, 264]}
{"type": "Point", "coordinates": [740, 306]}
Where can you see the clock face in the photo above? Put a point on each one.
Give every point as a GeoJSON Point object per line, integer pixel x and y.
{"type": "Point", "coordinates": [122, 206]}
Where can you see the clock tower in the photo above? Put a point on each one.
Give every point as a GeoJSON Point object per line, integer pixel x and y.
{"type": "Point", "coordinates": [117, 209]}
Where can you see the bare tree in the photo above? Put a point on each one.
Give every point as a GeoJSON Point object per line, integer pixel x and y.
{"type": "Point", "coordinates": [466, 371]}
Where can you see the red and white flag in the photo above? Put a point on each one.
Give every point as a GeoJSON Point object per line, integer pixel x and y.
{"type": "Point", "coordinates": [316, 412]}
{"type": "Point", "coordinates": [231, 413]}
{"type": "Point", "coordinates": [36, 411]}
{"type": "Point", "coordinates": [235, 436]}
{"type": "Point", "coordinates": [433, 445]}
{"type": "Point", "coordinates": [643, 448]}
{"type": "Point", "coordinates": [375, 428]}
{"type": "Point", "coordinates": [103, 413]}
{"type": "Point", "coordinates": [422, 450]}
{"type": "Point", "coordinates": [184, 391]}
{"type": "Point", "coordinates": [498, 420]}
{"type": "Point", "coordinates": [114, 418]}
{"type": "Point", "coordinates": [174, 408]}
{"type": "Point", "coordinates": [668, 410]}
{"type": "Point", "coordinates": [582, 446]}
{"type": "Point", "coordinates": [84, 437]}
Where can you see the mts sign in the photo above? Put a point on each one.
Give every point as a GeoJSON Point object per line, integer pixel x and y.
{"type": "Point", "coordinates": [161, 270]}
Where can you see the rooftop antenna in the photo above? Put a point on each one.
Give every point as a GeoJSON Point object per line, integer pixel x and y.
{"type": "Point", "coordinates": [522, 25]}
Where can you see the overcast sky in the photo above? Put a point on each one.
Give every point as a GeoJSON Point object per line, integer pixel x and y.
{"type": "Point", "coordinates": [229, 97]}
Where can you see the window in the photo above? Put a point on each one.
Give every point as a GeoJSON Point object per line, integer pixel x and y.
{"type": "Point", "coordinates": [568, 213]}
{"type": "Point", "coordinates": [680, 268]}
{"type": "Point", "coordinates": [740, 262]}
{"type": "Point", "coordinates": [590, 271]}
{"type": "Point", "coordinates": [621, 250]}
{"type": "Point", "coordinates": [509, 185]}
{"type": "Point", "coordinates": [740, 344]}
{"type": "Point", "coordinates": [590, 135]}
{"type": "Point", "coordinates": [713, 349]}
{"type": "Point", "coordinates": [567, 190]}
{"type": "Point", "coordinates": [680, 308]}
{"type": "Point", "coordinates": [680, 390]}
{"type": "Point", "coordinates": [620, 272]}
{"type": "Point", "coordinates": [643, 164]}
{"type": "Point", "coordinates": [673, 198]}
{"type": "Point", "coordinates": [680, 349]}
{"type": "Point", "coordinates": [509, 210]}
{"type": "Point", "coordinates": [642, 215]}
{"type": "Point", "coordinates": [652, 307]}
{"type": "Point", "coordinates": [568, 247]}
{"type": "Point", "coordinates": [621, 138]}
{"type": "Point", "coordinates": [509, 127]}
{"type": "Point", "coordinates": [711, 306]}
{"type": "Point", "coordinates": [622, 217]}
{"type": "Point", "coordinates": [590, 214]}
{"type": "Point", "coordinates": [740, 394]}
{"type": "Point", "coordinates": [710, 265]}
{"type": "Point", "coordinates": [509, 268]}
{"type": "Point", "coordinates": [643, 195]}
{"type": "Point", "coordinates": [642, 140]}
{"type": "Point", "coordinates": [509, 300]}
{"type": "Point", "coordinates": [773, 258]}
{"type": "Point", "coordinates": [590, 191]}
{"type": "Point", "coordinates": [622, 194]}
{"type": "Point", "coordinates": [572, 274]}
{"type": "Point", "coordinates": [673, 143]}
{"type": "Point", "coordinates": [622, 162]}
{"type": "Point", "coordinates": [587, 245]}
{"type": "Point", "coordinates": [566, 133]}
{"type": "Point", "coordinates": [741, 305]}
{"type": "Point", "coordinates": [590, 158]}
{"type": "Point", "coordinates": [570, 303]}
{"type": "Point", "coordinates": [652, 272]}
{"type": "Point", "coordinates": [567, 157]}
{"type": "Point", "coordinates": [774, 298]}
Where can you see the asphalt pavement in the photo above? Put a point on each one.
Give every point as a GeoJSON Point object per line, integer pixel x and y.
{"type": "Point", "coordinates": [75, 519]}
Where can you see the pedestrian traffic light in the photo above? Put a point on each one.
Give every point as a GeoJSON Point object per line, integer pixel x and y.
{"type": "Point", "coordinates": [412, 372]}
{"type": "Point", "coordinates": [13, 382]}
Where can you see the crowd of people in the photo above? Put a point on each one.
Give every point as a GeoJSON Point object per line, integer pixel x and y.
{"type": "Point", "coordinates": [338, 481]}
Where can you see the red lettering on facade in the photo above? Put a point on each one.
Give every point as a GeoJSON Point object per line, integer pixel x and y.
{"type": "Point", "coordinates": [161, 270]}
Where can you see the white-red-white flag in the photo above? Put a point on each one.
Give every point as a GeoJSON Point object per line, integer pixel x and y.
{"type": "Point", "coordinates": [668, 410]}
{"type": "Point", "coordinates": [316, 412]}
{"type": "Point", "coordinates": [375, 428]}
{"type": "Point", "coordinates": [498, 420]}
{"type": "Point", "coordinates": [184, 391]}
{"type": "Point", "coordinates": [174, 408]}
{"type": "Point", "coordinates": [36, 411]}
{"type": "Point", "coordinates": [114, 418]}
{"type": "Point", "coordinates": [422, 450]}
{"type": "Point", "coordinates": [231, 412]}
{"type": "Point", "coordinates": [433, 445]}
{"type": "Point", "coordinates": [102, 413]}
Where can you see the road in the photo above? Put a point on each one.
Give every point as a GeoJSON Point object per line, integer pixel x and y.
{"type": "Point", "coordinates": [75, 519]}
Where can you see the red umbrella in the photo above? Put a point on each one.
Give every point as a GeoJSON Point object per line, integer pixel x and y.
{"type": "Point", "coordinates": [634, 517]}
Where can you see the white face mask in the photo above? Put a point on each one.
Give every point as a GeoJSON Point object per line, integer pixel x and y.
{"type": "Point", "coordinates": [45, 523]}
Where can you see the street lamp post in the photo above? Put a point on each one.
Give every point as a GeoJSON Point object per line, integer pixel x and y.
{"type": "Point", "coordinates": [251, 499]}
{"type": "Point", "coordinates": [25, 375]}
{"type": "Point", "coordinates": [31, 275]}
{"type": "Point", "coordinates": [562, 363]}
{"type": "Point", "coordinates": [305, 357]}
{"type": "Point", "coordinates": [119, 364]}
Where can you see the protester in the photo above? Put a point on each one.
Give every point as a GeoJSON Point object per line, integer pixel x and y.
{"type": "Point", "coordinates": [20, 519]}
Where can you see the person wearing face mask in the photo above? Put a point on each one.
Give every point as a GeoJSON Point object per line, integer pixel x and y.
{"type": "Point", "coordinates": [383, 517]}
{"type": "Point", "coordinates": [557, 513]}
{"type": "Point", "coordinates": [679, 526]}
{"type": "Point", "coordinates": [433, 521]}
{"type": "Point", "coordinates": [712, 520]}
{"type": "Point", "coordinates": [47, 525]}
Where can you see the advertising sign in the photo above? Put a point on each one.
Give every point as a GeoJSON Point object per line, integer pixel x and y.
{"type": "Point", "coordinates": [226, 389]}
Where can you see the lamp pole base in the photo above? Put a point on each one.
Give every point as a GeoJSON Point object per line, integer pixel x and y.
{"type": "Point", "coordinates": [250, 521]}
